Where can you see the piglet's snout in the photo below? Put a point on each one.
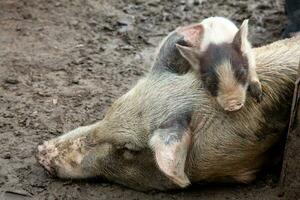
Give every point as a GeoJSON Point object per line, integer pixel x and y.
{"type": "Point", "coordinates": [233, 106]}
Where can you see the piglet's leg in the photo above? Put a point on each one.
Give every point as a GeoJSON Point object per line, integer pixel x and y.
{"type": "Point", "coordinates": [62, 156]}
{"type": "Point", "coordinates": [255, 88]}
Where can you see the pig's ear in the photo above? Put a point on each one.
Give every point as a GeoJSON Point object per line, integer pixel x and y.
{"type": "Point", "coordinates": [191, 55]}
{"type": "Point", "coordinates": [171, 148]}
{"type": "Point", "coordinates": [240, 40]}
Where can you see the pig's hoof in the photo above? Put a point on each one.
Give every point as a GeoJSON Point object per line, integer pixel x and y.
{"type": "Point", "coordinates": [45, 154]}
{"type": "Point", "coordinates": [256, 90]}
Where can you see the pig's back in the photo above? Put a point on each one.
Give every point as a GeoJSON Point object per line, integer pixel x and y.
{"type": "Point", "coordinates": [217, 30]}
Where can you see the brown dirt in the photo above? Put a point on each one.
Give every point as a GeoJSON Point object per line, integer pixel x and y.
{"type": "Point", "coordinates": [63, 62]}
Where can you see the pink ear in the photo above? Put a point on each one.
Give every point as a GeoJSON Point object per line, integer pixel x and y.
{"type": "Point", "coordinates": [191, 54]}
{"type": "Point", "coordinates": [192, 33]}
{"type": "Point", "coordinates": [240, 40]}
{"type": "Point", "coordinates": [170, 152]}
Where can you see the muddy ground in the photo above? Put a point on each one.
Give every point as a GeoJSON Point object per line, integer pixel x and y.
{"type": "Point", "coordinates": [63, 62]}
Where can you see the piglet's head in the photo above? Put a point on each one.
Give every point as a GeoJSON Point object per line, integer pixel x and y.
{"type": "Point", "coordinates": [223, 68]}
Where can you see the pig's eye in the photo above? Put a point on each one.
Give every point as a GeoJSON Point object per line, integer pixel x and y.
{"type": "Point", "coordinates": [131, 147]}
{"type": "Point", "coordinates": [128, 154]}
{"type": "Point", "coordinates": [129, 151]}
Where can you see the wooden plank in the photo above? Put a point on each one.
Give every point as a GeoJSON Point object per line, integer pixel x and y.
{"type": "Point", "coordinates": [290, 174]}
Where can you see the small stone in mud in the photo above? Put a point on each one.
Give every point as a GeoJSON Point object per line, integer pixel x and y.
{"type": "Point", "coordinates": [127, 47]}
{"type": "Point", "coordinates": [18, 28]}
{"type": "Point", "coordinates": [197, 2]}
{"type": "Point", "coordinates": [11, 80]}
{"type": "Point", "coordinates": [40, 29]}
{"type": "Point", "coordinates": [54, 101]}
{"type": "Point", "coordinates": [123, 22]}
{"type": "Point", "coordinates": [186, 8]}
{"type": "Point", "coordinates": [93, 23]}
{"type": "Point", "coordinates": [17, 133]}
{"type": "Point", "coordinates": [57, 4]}
{"type": "Point", "coordinates": [7, 156]}
{"type": "Point", "coordinates": [74, 22]}
{"type": "Point", "coordinates": [26, 15]}
{"type": "Point", "coordinates": [75, 81]}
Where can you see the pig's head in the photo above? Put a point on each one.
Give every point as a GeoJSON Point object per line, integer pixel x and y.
{"type": "Point", "coordinates": [144, 139]}
{"type": "Point", "coordinates": [142, 142]}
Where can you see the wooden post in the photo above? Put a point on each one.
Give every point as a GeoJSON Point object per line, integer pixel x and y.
{"type": "Point", "coordinates": [290, 174]}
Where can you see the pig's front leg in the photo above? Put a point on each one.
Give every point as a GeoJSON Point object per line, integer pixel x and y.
{"type": "Point", "coordinates": [62, 156]}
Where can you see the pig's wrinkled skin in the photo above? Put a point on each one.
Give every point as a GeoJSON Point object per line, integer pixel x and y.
{"type": "Point", "coordinates": [167, 131]}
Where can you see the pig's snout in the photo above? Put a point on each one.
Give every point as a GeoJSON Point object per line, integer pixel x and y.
{"type": "Point", "coordinates": [233, 106]}
{"type": "Point", "coordinates": [46, 152]}
{"type": "Point", "coordinates": [63, 158]}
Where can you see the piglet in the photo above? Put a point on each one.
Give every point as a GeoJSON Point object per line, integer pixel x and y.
{"type": "Point", "coordinates": [224, 59]}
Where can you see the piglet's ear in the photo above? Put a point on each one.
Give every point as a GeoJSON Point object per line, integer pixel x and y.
{"type": "Point", "coordinates": [240, 40]}
{"type": "Point", "coordinates": [193, 34]}
{"type": "Point", "coordinates": [191, 55]}
{"type": "Point", "coordinates": [171, 147]}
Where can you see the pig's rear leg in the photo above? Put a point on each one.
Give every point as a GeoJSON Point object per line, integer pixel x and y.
{"type": "Point", "coordinates": [254, 87]}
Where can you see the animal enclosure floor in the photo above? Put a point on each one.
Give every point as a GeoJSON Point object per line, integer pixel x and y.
{"type": "Point", "coordinates": [62, 63]}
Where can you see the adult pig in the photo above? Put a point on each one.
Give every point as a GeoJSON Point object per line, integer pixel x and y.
{"type": "Point", "coordinates": [167, 132]}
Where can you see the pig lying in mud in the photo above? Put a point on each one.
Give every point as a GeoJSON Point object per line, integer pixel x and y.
{"type": "Point", "coordinates": [167, 132]}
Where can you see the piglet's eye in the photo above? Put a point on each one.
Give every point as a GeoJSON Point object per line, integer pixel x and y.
{"type": "Point", "coordinates": [241, 71]}
{"type": "Point", "coordinates": [241, 75]}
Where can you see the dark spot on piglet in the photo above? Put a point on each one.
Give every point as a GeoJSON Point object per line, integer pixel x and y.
{"type": "Point", "coordinates": [169, 58]}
